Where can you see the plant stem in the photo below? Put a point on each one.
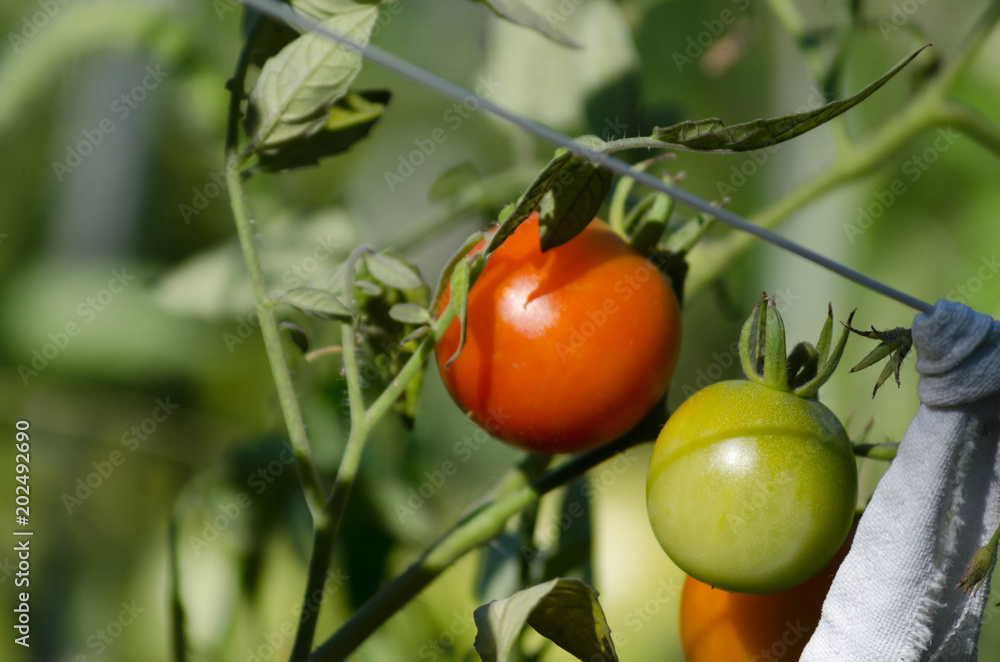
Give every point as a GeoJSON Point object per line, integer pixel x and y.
{"type": "Point", "coordinates": [325, 534]}
{"type": "Point", "coordinates": [974, 125]}
{"type": "Point", "coordinates": [362, 421]}
{"type": "Point", "coordinates": [409, 370]}
{"type": "Point", "coordinates": [178, 622]}
{"type": "Point", "coordinates": [311, 486]}
{"type": "Point", "coordinates": [476, 529]}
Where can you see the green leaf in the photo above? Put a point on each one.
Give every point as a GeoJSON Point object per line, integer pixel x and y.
{"type": "Point", "coordinates": [516, 11]}
{"type": "Point", "coordinates": [409, 313]}
{"type": "Point", "coordinates": [530, 199]}
{"type": "Point", "coordinates": [392, 271]}
{"type": "Point", "coordinates": [573, 202]}
{"type": "Point", "coordinates": [711, 135]}
{"type": "Point", "coordinates": [301, 83]}
{"type": "Point", "coordinates": [572, 175]}
{"type": "Point", "coordinates": [317, 303]}
{"type": "Point", "coordinates": [565, 611]}
{"type": "Point", "coordinates": [348, 121]}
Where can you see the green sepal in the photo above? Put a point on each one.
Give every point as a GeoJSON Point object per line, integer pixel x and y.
{"type": "Point", "coordinates": [750, 341]}
{"type": "Point", "coordinates": [826, 364]}
{"type": "Point", "coordinates": [775, 363]}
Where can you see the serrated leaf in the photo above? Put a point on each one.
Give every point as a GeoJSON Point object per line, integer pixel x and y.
{"type": "Point", "coordinates": [516, 11]}
{"type": "Point", "coordinates": [565, 611]}
{"type": "Point", "coordinates": [567, 208]}
{"type": "Point", "coordinates": [712, 135]}
{"type": "Point", "coordinates": [409, 313]}
{"type": "Point", "coordinates": [317, 303]}
{"type": "Point", "coordinates": [348, 121]}
{"type": "Point", "coordinates": [297, 86]}
{"type": "Point", "coordinates": [545, 182]}
{"type": "Point", "coordinates": [392, 271]}
{"type": "Point", "coordinates": [297, 334]}
{"type": "Point", "coordinates": [530, 199]}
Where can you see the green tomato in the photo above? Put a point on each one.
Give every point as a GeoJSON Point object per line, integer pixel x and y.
{"type": "Point", "coordinates": [751, 489]}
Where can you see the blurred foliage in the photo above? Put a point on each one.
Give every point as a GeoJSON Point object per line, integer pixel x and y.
{"type": "Point", "coordinates": [146, 202]}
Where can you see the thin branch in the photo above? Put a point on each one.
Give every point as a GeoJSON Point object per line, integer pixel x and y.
{"type": "Point", "coordinates": [475, 530]}
{"type": "Point", "coordinates": [973, 124]}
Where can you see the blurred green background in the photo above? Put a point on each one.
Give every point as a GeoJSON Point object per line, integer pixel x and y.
{"type": "Point", "coordinates": [133, 244]}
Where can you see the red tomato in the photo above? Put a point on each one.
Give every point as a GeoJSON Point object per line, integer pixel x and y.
{"type": "Point", "coordinates": [565, 350]}
{"type": "Point", "coordinates": [718, 626]}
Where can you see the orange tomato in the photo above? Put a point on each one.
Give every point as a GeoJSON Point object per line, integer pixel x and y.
{"type": "Point", "coordinates": [565, 350]}
{"type": "Point", "coordinates": [718, 626]}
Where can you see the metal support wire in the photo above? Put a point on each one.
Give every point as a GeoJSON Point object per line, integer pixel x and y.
{"type": "Point", "coordinates": [386, 60]}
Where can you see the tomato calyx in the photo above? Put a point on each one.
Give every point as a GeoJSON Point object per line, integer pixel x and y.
{"type": "Point", "coordinates": [893, 343]}
{"type": "Point", "coordinates": [805, 369]}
